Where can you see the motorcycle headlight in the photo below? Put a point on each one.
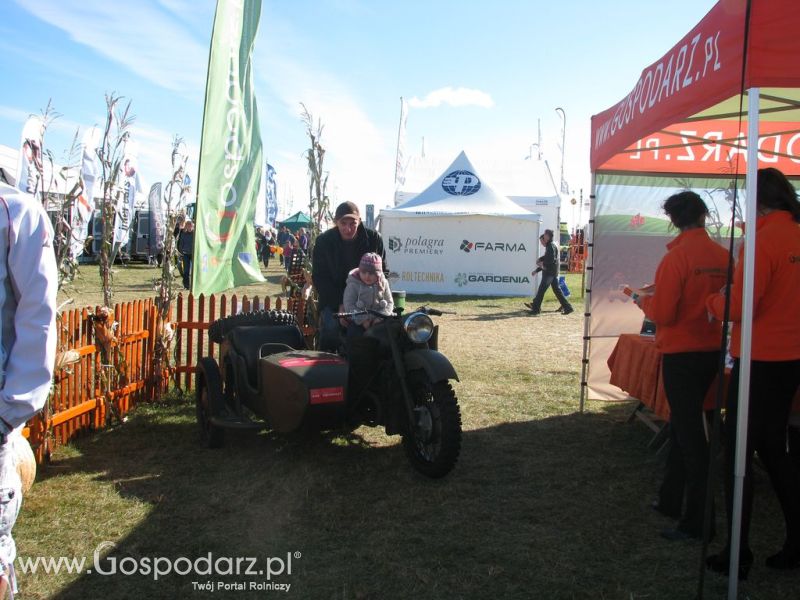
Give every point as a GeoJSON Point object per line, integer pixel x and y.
{"type": "Point", "coordinates": [419, 327]}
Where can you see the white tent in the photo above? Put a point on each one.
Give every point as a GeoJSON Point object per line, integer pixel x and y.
{"type": "Point", "coordinates": [459, 236]}
{"type": "Point", "coordinates": [535, 190]}
{"type": "Point", "coordinates": [527, 182]}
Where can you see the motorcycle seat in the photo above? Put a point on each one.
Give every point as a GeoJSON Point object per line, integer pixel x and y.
{"type": "Point", "coordinates": [248, 341]}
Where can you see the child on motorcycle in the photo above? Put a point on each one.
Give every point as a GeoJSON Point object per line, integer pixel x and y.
{"type": "Point", "coordinates": [367, 289]}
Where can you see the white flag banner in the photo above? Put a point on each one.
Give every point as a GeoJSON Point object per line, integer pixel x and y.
{"type": "Point", "coordinates": [157, 225]}
{"type": "Point", "coordinates": [82, 211]}
{"type": "Point", "coordinates": [126, 205]}
{"type": "Point", "coordinates": [90, 166]}
{"type": "Point", "coordinates": [83, 207]}
{"type": "Point", "coordinates": [400, 167]}
{"type": "Point", "coordinates": [29, 164]}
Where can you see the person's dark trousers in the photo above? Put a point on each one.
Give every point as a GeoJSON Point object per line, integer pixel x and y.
{"type": "Point", "coordinates": [330, 336]}
{"type": "Point", "coordinates": [687, 377]}
{"type": "Point", "coordinates": [287, 261]}
{"type": "Point", "coordinates": [549, 281]}
{"type": "Point", "coordinates": [354, 330]}
{"type": "Point", "coordinates": [772, 388]}
{"type": "Point", "coordinates": [186, 259]}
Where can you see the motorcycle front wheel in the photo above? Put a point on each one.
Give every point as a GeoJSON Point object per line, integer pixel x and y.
{"type": "Point", "coordinates": [434, 442]}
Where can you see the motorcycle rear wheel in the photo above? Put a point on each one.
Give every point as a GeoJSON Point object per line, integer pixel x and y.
{"type": "Point", "coordinates": [209, 401]}
{"type": "Point", "coordinates": [433, 446]}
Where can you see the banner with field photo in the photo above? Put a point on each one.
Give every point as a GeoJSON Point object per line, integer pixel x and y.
{"type": "Point", "coordinates": [630, 235]}
{"type": "Point", "coordinates": [231, 156]}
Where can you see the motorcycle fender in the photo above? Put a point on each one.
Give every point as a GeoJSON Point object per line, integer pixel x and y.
{"type": "Point", "coordinates": [435, 364]}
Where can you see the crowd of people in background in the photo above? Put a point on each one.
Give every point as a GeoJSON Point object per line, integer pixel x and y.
{"type": "Point", "coordinates": [280, 243]}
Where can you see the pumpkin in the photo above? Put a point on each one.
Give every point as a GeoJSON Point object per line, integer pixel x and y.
{"type": "Point", "coordinates": [24, 461]}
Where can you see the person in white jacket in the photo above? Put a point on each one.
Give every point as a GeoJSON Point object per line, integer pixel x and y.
{"type": "Point", "coordinates": [28, 284]}
{"type": "Point", "coordinates": [367, 289]}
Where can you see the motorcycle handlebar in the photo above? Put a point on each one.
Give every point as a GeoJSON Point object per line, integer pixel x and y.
{"type": "Point", "coordinates": [355, 313]}
{"type": "Point", "coordinates": [423, 309]}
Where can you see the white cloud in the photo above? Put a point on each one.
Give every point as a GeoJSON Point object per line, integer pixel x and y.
{"type": "Point", "coordinates": [14, 114]}
{"type": "Point", "coordinates": [152, 45]}
{"type": "Point", "coordinates": [456, 97]}
{"type": "Point", "coordinates": [359, 154]}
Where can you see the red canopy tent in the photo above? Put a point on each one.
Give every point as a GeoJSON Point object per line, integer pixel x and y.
{"type": "Point", "coordinates": [723, 102]}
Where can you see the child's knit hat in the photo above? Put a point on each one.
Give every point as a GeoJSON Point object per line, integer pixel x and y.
{"type": "Point", "coordinates": [371, 263]}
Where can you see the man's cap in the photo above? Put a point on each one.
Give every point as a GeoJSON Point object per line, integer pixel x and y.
{"type": "Point", "coordinates": [371, 263]}
{"type": "Point", "coordinates": [346, 209]}
{"type": "Point", "coordinates": [549, 232]}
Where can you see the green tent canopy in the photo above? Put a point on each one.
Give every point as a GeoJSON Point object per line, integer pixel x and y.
{"type": "Point", "coordinates": [296, 221]}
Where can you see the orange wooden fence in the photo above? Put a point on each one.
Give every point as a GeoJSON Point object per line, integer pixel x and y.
{"type": "Point", "coordinates": [88, 391]}
{"type": "Point", "coordinates": [193, 317]}
{"type": "Point", "coordinates": [87, 394]}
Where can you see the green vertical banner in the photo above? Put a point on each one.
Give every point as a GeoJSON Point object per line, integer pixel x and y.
{"type": "Point", "coordinates": [231, 156]}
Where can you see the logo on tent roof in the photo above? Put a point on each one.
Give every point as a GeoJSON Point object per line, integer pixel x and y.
{"type": "Point", "coordinates": [461, 183]}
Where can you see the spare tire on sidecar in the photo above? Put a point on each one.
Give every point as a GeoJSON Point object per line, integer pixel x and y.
{"type": "Point", "coordinates": [266, 378]}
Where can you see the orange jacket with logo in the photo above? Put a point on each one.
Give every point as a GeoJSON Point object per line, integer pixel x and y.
{"type": "Point", "coordinates": [776, 291]}
{"type": "Point", "coordinates": [693, 267]}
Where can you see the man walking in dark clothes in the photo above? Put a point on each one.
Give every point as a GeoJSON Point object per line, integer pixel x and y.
{"type": "Point", "coordinates": [548, 265]}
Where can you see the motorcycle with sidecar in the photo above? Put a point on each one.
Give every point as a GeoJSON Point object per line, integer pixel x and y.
{"type": "Point", "coordinates": [393, 377]}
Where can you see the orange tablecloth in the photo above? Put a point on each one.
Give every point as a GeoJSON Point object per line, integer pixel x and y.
{"type": "Point", "coordinates": [635, 366]}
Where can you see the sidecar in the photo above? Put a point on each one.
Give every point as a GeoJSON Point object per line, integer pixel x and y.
{"type": "Point", "coordinates": [267, 378]}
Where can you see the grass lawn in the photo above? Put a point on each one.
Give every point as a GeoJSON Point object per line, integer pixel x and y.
{"type": "Point", "coordinates": [544, 502]}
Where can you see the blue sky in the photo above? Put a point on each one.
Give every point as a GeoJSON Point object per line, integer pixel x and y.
{"type": "Point", "coordinates": [479, 75]}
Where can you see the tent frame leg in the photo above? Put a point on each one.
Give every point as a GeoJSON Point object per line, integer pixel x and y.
{"type": "Point", "coordinates": [588, 235]}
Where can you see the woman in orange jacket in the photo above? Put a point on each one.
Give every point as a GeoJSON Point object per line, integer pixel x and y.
{"type": "Point", "coordinates": [693, 267]}
{"type": "Point", "coordinates": [774, 367]}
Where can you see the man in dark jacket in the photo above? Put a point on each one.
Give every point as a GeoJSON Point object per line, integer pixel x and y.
{"type": "Point", "coordinates": [185, 246]}
{"type": "Point", "coordinates": [548, 265]}
{"type": "Point", "coordinates": [336, 253]}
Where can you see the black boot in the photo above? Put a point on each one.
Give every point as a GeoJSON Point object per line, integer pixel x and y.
{"type": "Point", "coordinates": [787, 558]}
{"type": "Point", "coordinates": [720, 563]}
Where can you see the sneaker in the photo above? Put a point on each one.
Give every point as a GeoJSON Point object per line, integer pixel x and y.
{"type": "Point", "coordinates": [535, 312]}
{"type": "Point", "coordinates": [528, 305]}
{"type": "Point", "coordinates": [568, 309]}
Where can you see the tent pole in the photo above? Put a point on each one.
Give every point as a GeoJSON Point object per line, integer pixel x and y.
{"type": "Point", "coordinates": [747, 333]}
{"type": "Point", "coordinates": [587, 300]}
